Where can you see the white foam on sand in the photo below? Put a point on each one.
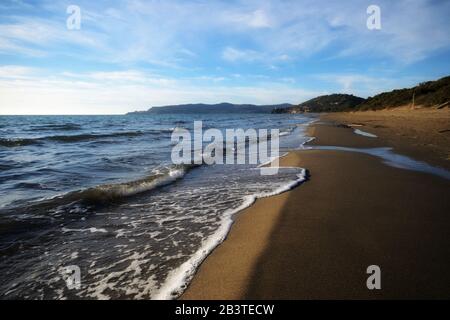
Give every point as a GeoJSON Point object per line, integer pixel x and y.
{"type": "Point", "coordinates": [271, 159]}
{"type": "Point", "coordinates": [392, 159]}
{"type": "Point", "coordinates": [363, 133]}
{"type": "Point", "coordinates": [178, 279]}
{"type": "Point", "coordinates": [91, 230]}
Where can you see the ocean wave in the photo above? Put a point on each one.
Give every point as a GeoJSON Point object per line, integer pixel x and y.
{"type": "Point", "coordinates": [10, 143]}
{"type": "Point", "coordinates": [178, 279]}
{"type": "Point", "coordinates": [4, 167]}
{"type": "Point", "coordinates": [107, 193]}
{"type": "Point", "coordinates": [83, 201]}
{"type": "Point", "coordinates": [154, 223]}
{"type": "Point", "coordinates": [18, 142]}
{"type": "Point", "coordinates": [31, 185]}
{"type": "Point", "coordinates": [91, 230]}
{"type": "Point", "coordinates": [41, 214]}
{"type": "Point", "coordinates": [56, 127]}
{"type": "Point", "coordinates": [85, 137]}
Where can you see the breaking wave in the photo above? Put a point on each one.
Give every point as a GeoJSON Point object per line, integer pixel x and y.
{"type": "Point", "coordinates": [18, 142]}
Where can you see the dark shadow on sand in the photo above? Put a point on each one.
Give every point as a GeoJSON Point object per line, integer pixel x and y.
{"type": "Point", "coordinates": [356, 211]}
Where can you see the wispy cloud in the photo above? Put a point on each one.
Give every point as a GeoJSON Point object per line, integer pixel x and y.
{"type": "Point", "coordinates": [15, 72]}
{"type": "Point", "coordinates": [36, 36]}
{"type": "Point", "coordinates": [162, 30]}
{"type": "Point", "coordinates": [122, 91]}
{"type": "Point", "coordinates": [258, 18]}
{"type": "Point", "coordinates": [177, 50]}
{"type": "Point", "coordinates": [365, 85]}
{"type": "Point", "coordinates": [232, 54]}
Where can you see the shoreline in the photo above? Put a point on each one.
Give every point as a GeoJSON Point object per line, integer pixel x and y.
{"type": "Point", "coordinates": [179, 278]}
{"type": "Point", "coordinates": [422, 134]}
{"type": "Point", "coordinates": [291, 246]}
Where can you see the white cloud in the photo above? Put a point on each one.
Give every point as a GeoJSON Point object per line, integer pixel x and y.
{"type": "Point", "coordinates": [16, 72]}
{"type": "Point", "coordinates": [130, 75]}
{"type": "Point", "coordinates": [39, 37]}
{"type": "Point", "coordinates": [259, 19]}
{"type": "Point", "coordinates": [364, 85]}
{"type": "Point", "coordinates": [180, 37]}
{"type": "Point", "coordinates": [159, 31]}
{"type": "Point", "coordinates": [119, 77]}
{"type": "Point", "coordinates": [33, 91]}
{"type": "Point", "coordinates": [210, 78]}
{"type": "Point", "coordinates": [8, 46]}
{"type": "Point", "coordinates": [254, 19]}
{"type": "Point", "coordinates": [232, 54]}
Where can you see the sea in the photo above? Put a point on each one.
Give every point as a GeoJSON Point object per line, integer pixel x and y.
{"type": "Point", "coordinates": [100, 196]}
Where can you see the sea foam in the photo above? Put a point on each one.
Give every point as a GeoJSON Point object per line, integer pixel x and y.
{"type": "Point", "coordinates": [178, 279]}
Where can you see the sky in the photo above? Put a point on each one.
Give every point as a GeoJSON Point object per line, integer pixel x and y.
{"type": "Point", "coordinates": [131, 55]}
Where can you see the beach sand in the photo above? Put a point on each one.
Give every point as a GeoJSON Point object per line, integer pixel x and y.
{"type": "Point", "coordinates": [316, 241]}
{"type": "Point", "coordinates": [422, 133]}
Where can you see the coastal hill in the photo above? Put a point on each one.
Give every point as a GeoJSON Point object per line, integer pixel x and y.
{"type": "Point", "coordinates": [326, 103]}
{"type": "Point", "coordinates": [431, 93]}
{"type": "Point", "coordinates": [212, 108]}
{"type": "Point", "coordinates": [426, 94]}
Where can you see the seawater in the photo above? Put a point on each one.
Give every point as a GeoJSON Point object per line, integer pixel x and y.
{"type": "Point", "coordinates": [101, 193]}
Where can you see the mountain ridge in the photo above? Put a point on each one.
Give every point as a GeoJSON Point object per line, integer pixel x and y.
{"type": "Point", "coordinates": [425, 94]}
{"type": "Point", "coordinates": [223, 107]}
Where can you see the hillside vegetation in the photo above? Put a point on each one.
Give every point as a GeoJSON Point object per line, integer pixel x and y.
{"type": "Point", "coordinates": [427, 94]}
{"type": "Point", "coordinates": [327, 103]}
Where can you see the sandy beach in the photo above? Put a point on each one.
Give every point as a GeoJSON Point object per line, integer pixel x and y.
{"type": "Point", "coordinates": [422, 133]}
{"type": "Point", "coordinates": [316, 241]}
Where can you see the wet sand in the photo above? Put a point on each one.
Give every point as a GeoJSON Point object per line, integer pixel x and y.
{"type": "Point", "coordinates": [422, 133]}
{"type": "Point", "coordinates": [316, 241]}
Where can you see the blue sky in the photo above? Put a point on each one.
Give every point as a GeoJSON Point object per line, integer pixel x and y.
{"type": "Point", "coordinates": [130, 55]}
